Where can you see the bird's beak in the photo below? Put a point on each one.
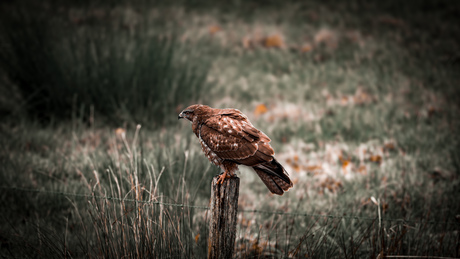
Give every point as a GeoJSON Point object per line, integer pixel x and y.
{"type": "Point", "coordinates": [181, 116]}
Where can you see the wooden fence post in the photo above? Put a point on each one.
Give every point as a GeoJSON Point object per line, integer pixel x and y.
{"type": "Point", "coordinates": [224, 207]}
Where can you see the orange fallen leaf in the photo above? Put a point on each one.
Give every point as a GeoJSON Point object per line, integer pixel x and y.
{"type": "Point", "coordinates": [313, 168]}
{"type": "Point", "coordinates": [362, 170]}
{"type": "Point", "coordinates": [344, 100]}
{"type": "Point", "coordinates": [273, 41]}
{"type": "Point", "coordinates": [331, 184]}
{"type": "Point", "coordinates": [376, 159]}
{"type": "Point", "coordinates": [260, 109]}
{"type": "Point", "coordinates": [214, 29]}
{"type": "Point", "coordinates": [306, 48]}
{"type": "Point", "coordinates": [296, 167]}
{"type": "Point", "coordinates": [346, 166]}
{"type": "Point", "coordinates": [345, 163]}
{"type": "Point", "coordinates": [362, 97]}
{"type": "Point", "coordinates": [389, 146]}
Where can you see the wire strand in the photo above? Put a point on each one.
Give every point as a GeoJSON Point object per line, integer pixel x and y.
{"type": "Point", "coordinates": [300, 214]}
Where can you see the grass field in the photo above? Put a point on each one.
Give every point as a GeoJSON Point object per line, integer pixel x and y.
{"type": "Point", "coordinates": [360, 99]}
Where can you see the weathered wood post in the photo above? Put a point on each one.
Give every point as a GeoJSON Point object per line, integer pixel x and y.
{"type": "Point", "coordinates": [224, 207]}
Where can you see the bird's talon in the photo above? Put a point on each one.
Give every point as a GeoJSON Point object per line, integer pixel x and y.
{"type": "Point", "coordinates": [222, 178]}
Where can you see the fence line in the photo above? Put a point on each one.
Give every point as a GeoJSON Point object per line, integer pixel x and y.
{"type": "Point", "coordinates": [302, 214]}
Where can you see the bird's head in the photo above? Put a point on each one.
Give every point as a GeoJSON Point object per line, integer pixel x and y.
{"type": "Point", "coordinates": [192, 111]}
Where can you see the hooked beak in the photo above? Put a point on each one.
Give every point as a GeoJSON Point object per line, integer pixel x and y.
{"type": "Point", "coordinates": [181, 116]}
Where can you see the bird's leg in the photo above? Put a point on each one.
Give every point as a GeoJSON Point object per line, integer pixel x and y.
{"type": "Point", "coordinates": [228, 169]}
{"type": "Point", "coordinates": [223, 176]}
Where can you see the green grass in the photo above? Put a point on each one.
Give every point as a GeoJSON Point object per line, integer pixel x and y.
{"type": "Point", "coordinates": [62, 66]}
{"type": "Point", "coordinates": [369, 113]}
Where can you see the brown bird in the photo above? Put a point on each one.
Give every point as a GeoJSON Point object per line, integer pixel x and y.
{"type": "Point", "coordinates": [229, 139]}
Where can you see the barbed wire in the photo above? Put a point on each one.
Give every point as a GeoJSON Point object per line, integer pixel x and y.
{"type": "Point", "coordinates": [299, 214]}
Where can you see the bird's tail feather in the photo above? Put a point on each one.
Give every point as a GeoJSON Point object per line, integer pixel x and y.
{"type": "Point", "coordinates": [274, 176]}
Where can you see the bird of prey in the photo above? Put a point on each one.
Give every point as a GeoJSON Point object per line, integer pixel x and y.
{"type": "Point", "coordinates": [229, 139]}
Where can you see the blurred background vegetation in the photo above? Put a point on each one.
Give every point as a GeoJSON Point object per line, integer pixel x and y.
{"type": "Point", "coordinates": [360, 99]}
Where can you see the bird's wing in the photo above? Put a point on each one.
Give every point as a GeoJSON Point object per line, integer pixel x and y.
{"type": "Point", "coordinates": [232, 137]}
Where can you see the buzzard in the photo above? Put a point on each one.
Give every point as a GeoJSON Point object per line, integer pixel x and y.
{"type": "Point", "coordinates": [229, 139]}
